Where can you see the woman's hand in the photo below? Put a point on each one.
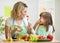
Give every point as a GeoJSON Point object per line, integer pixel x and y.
{"type": "Point", "coordinates": [29, 24]}
{"type": "Point", "coordinates": [15, 29]}
{"type": "Point", "coordinates": [18, 29]}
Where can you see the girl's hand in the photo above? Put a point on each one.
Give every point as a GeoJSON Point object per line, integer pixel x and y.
{"type": "Point", "coordinates": [38, 21]}
{"type": "Point", "coordinates": [18, 29]}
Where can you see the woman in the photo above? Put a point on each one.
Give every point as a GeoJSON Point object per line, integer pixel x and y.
{"type": "Point", "coordinates": [18, 17]}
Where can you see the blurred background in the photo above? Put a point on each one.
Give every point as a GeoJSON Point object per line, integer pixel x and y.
{"type": "Point", "coordinates": [35, 7]}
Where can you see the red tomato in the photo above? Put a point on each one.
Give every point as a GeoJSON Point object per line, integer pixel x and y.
{"type": "Point", "coordinates": [50, 37]}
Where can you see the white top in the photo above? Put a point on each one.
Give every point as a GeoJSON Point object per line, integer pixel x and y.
{"type": "Point", "coordinates": [50, 29]}
{"type": "Point", "coordinates": [9, 22]}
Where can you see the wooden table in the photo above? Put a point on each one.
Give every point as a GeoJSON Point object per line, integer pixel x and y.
{"type": "Point", "coordinates": [21, 41]}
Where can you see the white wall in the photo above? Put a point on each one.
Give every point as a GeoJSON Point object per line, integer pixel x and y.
{"type": "Point", "coordinates": [32, 7]}
{"type": "Point", "coordinates": [57, 19]}
{"type": "Point", "coordinates": [49, 6]}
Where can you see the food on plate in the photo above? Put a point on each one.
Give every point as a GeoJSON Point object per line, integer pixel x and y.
{"type": "Point", "coordinates": [24, 37]}
{"type": "Point", "coordinates": [17, 37]}
{"type": "Point", "coordinates": [41, 37]}
{"type": "Point", "coordinates": [9, 39]}
{"type": "Point", "coordinates": [50, 37]}
{"type": "Point", "coordinates": [33, 38]}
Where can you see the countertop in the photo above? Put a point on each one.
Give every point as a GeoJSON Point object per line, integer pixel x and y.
{"type": "Point", "coordinates": [21, 41]}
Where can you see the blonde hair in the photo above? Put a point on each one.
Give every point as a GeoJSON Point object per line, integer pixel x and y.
{"type": "Point", "coordinates": [18, 7]}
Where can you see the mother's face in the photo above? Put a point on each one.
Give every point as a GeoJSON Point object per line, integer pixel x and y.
{"type": "Point", "coordinates": [23, 13]}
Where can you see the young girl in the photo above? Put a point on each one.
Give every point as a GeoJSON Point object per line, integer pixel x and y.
{"type": "Point", "coordinates": [44, 25]}
{"type": "Point", "coordinates": [17, 19]}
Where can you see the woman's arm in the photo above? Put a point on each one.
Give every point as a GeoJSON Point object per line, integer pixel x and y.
{"type": "Point", "coordinates": [29, 28]}
{"type": "Point", "coordinates": [15, 29]}
{"type": "Point", "coordinates": [6, 31]}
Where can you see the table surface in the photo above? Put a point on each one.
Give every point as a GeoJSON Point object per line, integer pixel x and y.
{"type": "Point", "coordinates": [21, 41]}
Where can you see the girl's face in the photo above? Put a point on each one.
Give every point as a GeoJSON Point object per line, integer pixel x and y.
{"type": "Point", "coordinates": [43, 20]}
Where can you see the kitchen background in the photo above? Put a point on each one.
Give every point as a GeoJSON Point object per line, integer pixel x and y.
{"type": "Point", "coordinates": [35, 7]}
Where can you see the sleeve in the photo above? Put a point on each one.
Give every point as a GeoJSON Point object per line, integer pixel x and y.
{"type": "Point", "coordinates": [8, 22]}
{"type": "Point", "coordinates": [33, 31]}
{"type": "Point", "coordinates": [25, 21]}
{"type": "Point", "coordinates": [50, 30]}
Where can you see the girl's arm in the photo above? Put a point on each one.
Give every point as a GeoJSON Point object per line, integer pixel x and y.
{"type": "Point", "coordinates": [50, 30]}
{"type": "Point", "coordinates": [34, 27]}
{"type": "Point", "coordinates": [36, 24]}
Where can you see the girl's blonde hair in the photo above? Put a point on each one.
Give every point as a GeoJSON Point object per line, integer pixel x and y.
{"type": "Point", "coordinates": [18, 7]}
